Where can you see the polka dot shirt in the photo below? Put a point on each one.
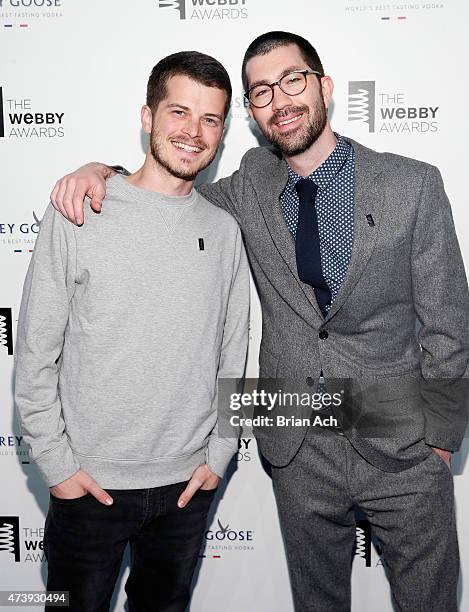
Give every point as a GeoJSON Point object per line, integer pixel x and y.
{"type": "Point", "coordinates": [334, 209]}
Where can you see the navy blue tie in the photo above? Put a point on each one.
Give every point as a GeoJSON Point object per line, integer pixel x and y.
{"type": "Point", "coordinates": [308, 253]}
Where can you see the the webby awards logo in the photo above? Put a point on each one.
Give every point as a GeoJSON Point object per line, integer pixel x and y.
{"type": "Point", "coordinates": [20, 118]}
{"type": "Point", "coordinates": [207, 10]}
{"type": "Point", "coordinates": [389, 112]}
{"type": "Point", "coordinates": [20, 545]}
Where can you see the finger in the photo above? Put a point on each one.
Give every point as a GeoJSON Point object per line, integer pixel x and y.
{"type": "Point", "coordinates": [98, 195]}
{"type": "Point", "coordinates": [96, 204]}
{"type": "Point", "coordinates": [78, 202]}
{"type": "Point", "coordinates": [211, 480]}
{"type": "Point", "coordinates": [68, 199]}
{"type": "Point", "coordinates": [59, 194]}
{"type": "Point", "coordinates": [101, 495]}
{"type": "Point", "coordinates": [192, 487]}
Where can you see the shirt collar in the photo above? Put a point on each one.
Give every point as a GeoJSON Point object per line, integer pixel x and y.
{"type": "Point", "coordinates": [328, 170]}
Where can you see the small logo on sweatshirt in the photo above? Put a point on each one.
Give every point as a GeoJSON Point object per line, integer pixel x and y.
{"type": "Point", "coordinates": [6, 330]}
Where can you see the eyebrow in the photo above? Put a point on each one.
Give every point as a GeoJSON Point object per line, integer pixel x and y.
{"type": "Point", "coordinates": [186, 108]}
{"type": "Point", "coordinates": [282, 74]}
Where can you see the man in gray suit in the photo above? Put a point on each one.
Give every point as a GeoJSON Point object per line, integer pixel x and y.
{"type": "Point", "coordinates": [363, 290]}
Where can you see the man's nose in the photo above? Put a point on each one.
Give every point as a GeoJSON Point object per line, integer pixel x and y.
{"type": "Point", "coordinates": [192, 127]}
{"type": "Point", "coordinates": [280, 99]}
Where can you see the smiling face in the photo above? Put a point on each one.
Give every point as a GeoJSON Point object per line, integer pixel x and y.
{"type": "Point", "coordinates": [187, 126]}
{"type": "Point", "coordinates": [291, 123]}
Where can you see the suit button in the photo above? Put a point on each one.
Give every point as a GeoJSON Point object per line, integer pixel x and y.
{"type": "Point", "coordinates": [309, 381]}
{"type": "Point", "coordinates": [323, 334]}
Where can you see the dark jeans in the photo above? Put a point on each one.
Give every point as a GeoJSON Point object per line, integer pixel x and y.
{"type": "Point", "coordinates": [84, 542]}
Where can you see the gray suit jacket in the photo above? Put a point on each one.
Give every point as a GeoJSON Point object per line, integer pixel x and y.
{"type": "Point", "coordinates": [398, 332]}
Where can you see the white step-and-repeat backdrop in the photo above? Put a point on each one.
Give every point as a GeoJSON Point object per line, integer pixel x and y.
{"type": "Point", "coordinates": [73, 76]}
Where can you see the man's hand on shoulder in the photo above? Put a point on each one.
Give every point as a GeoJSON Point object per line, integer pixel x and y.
{"type": "Point", "coordinates": [70, 191]}
{"type": "Point", "coordinates": [78, 485]}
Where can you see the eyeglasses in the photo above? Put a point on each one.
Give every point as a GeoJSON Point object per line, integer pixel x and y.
{"type": "Point", "coordinates": [291, 84]}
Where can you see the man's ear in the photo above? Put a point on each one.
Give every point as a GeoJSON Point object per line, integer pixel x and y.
{"type": "Point", "coordinates": [147, 119]}
{"type": "Point", "coordinates": [327, 86]}
{"type": "Point", "coordinates": [250, 113]}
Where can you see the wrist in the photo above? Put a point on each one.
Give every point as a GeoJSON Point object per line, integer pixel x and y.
{"type": "Point", "coordinates": [102, 170]}
{"type": "Point", "coordinates": [108, 171]}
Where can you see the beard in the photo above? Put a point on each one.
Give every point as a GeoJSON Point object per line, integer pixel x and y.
{"type": "Point", "coordinates": [181, 169]}
{"type": "Point", "coordinates": [298, 140]}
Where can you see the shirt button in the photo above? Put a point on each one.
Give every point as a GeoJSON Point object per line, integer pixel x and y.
{"type": "Point", "coordinates": [323, 334]}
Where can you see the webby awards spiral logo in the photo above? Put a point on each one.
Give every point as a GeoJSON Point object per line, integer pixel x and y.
{"type": "Point", "coordinates": [207, 10]}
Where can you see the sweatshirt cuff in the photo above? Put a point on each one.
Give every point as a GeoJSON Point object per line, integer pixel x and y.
{"type": "Point", "coordinates": [219, 454]}
{"type": "Point", "coordinates": [57, 465]}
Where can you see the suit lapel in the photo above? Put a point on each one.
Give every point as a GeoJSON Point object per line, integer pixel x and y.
{"type": "Point", "coordinates": [269, 203]}
{"type": "Point", "coordinates": [368, 200]}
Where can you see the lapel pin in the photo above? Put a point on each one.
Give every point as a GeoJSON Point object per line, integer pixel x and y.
{"type": "Point", "coordinates": [371, 221]}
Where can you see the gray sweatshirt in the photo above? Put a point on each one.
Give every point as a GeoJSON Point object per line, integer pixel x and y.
{"type": "Point", "coordinates": [125, 325]}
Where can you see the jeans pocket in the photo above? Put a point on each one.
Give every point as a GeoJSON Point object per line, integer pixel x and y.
{"type": "Point", "coordinates": [206, 491]}
{"type": "Point", "coordinates": [69, 501]}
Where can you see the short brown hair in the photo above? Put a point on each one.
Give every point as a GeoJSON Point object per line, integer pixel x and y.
{"type": "Point", "coordinates": [271, 40]}
{"type": "Point", "coordinates": [200, 67]}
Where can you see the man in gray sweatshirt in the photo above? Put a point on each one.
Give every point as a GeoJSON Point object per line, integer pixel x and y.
{"type": "Point", "coordinates": [117, 390]}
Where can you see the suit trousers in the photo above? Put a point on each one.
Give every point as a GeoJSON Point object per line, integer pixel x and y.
{"type": "Point", "coordinates": [411, 513]}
